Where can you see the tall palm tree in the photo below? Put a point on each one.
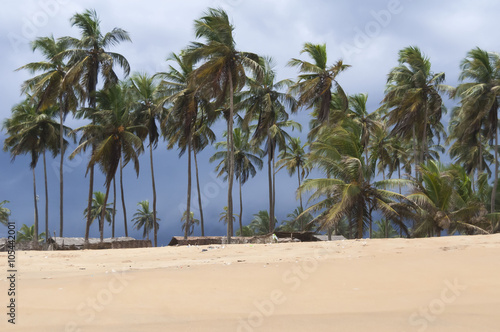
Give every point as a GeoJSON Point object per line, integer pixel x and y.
{"type": "Point", "coordinates": [51, 89]}
{"type": "Point", "coordinates": [266, 104]}
{"type": "Point", "coordinates": [113, 135]}
{"type": "Point", "coordinates": [148, 113]}
{"type": "Point", "coordinates": [412, 95]}
{"type": "Point", "coordinates": [293, 158]}
{"type": "Point", "coordinates": [479, 95]}
{"type": "Point", "coordinates": [34, 133]}
{"type": "Point", "coordinates": [348, 188]}
{"type": "Point", "coordinates": [4, 213]}
{"type": "Point", "coordinates": [144, 219]}
{"type": "Point", "coordinates": [317, 81]}
{"type": "Point", "coordinates": [89, 59]}
{"type": "Point", "coordinates": [100, 210]}
{"type": "Point", "coordinates": [180, 126]}
{"type": "Point", "coordinates": [221, 74]}
{"type": "Point", "coordinates": [246, 160]}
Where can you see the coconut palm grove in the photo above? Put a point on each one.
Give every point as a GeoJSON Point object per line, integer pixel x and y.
{"type": "Point", "coordinates": [391, 171]}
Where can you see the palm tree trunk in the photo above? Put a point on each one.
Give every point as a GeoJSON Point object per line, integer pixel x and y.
{"type": "Point", "coordinates": [35, 236]}
{"type": "Point", "coordinates": [415, 154]}
{"type": "Point", "coordinates": [399, 177]}
{"type": "Point", "coordinates": [274, 196]}
{"type": "Point", "coordinates": [114, 208]}
{"type": "Point", "coordinates": [230, 143]}
{"type": "Point", "coordinates": [199, 194]}
{"type": "Point", "coordinates": [103, 213]}
{"type": "Point", "coordinates": [46, 198]}
{"type": "Point", "coordinates": [89, 206]}
{"type": "Point", "coordinates": [495, 182]}
{"type": "Point", "coordinates": [270, 180]}
{"type": "Point", "coordinates": [300, 194]}
{"type": "Point", "coordinates": [61, 163]}
{"type": "Point", "coordinates": [155, 228]}
{"type": "Point", "coordinates": [424, 134]}
{"type": "Point", "coordinates": [188, 209]}
{"type": "Point", "coordinates": [123, 198]}
{"type": "Point", "coordinates": [241, 210]}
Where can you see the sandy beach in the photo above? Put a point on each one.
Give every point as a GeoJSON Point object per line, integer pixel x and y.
{"type": "Point", "coordinates": [437, 284]}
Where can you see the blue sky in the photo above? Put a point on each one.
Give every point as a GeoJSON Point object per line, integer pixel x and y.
{"type": "Point", "coordinates": [367, 34]}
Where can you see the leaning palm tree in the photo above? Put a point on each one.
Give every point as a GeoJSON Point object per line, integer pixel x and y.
{"type": "Point", "coordinates": [347, 191]}
{"type": "Point", "coordinates": [412, 96]}
{"type": "Point", "coordinates": [293, 158]}
{"type": "Point", "coordinates": [144, 219]}
{"type": "Point", "coordinates": [34, 133]}
{"type": "Point", "coordinates": [4, 213]}
{"type": "Point", "coordinates": [221, 74]}
{"type": "Point", "coordinates": [50, 89]}
{"type": "Point", "coordinates": [266, 104]}
{"type": "Point", "coordinates": [145, 90]}
{"type": "Point", "coordinates": [246, 161]}
{"type": "Point", "coordinates": [89, 59]}
{"type": "Point", "coordinates": [479, 95]}
{"type": "Point", "coordinates": [113, 135]}
{"type": "Point", "coordinates": [317, 81]}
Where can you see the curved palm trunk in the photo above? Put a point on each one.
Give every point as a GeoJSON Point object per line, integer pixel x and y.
{"type": "Point", "coordinates": [199, 195]}
{"type": "Point", "coordinates": [270, 180]}
{"type": "Point", "coordinates": [424, 134]}
{"type": "Point", "coordinates": [103, 213]}
{"type": "Point", "coordinates": [188, 208]}
{"type": "Point", "coordinates": [300, 195]}
{"type": "Point", "coordinates": [46, 198]}
{"type": "Point", "coordinates": [274, 196]}
{"type": "Point", "coordinates": [415, 154]}
{"type": "Point", "coordinates": [155, 227]}
{"type": "Point", "coordinates": [123, 198]}
{"type": "Point", "coordinates": [89, 206]}
{"type": "Point", "coordinates": [35, 236]}
{"type": "Point", "coordinates": [61, 163]}
{"type": "Point", "coordinates": [495, 182]}
{"type": "Point", "coordinates": [241, 210]}
{"type": "Point", "coordinates": [230, 143]}
{"type": "Point", "coordinates": [114, 208]}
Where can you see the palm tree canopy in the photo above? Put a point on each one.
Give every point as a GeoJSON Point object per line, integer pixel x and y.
{"type": "Point", "coordinates": [98, 207]}
{"type": "Point", "coordinates": [143, 218]}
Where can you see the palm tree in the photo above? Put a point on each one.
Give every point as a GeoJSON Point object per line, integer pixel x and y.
{"type": "Point", "coordinates": [317, 81]}
{"type": "Point", "coordinates": [4, 213]}
{"type": "Point", "coordinates": [265, 103]}
{"type": "Point", "coordinates": [412, 95]}
{"type": "Point", "coordinates": [189, 223]}
{"type": "Point", "coordinates": [50, 89]}
{"type": "Point", "coordinates": [180, 124]}
{"type": "Point", "coordinates": [26, 233]}
{"type": "Point", "coordinates": [349, 192]}
{"type": "Point", "coordinates": [34, 133]}
{"type": "Point", "coordinates": [479, 94]}
{"type": "Point", "coordinates": [385, 230]}
{"type": "Point", "coordinates": [148, 113]}
{"type": "Point", "coordinates": [260, 223]}
{"type": "Point", "coordinates": [99, 210]}
{"type": "Point", "coordinates": [221, 74]}
{"type": "Point", "coordinates": [144, 219]}
{"type": "Point", "coordinates": [224, 216]}
{"type": "Point", "coordinates": [90, 59]}
{"type": "Point", "coordinates": [293, 158]}
{"type": "Point", "coordinates": [297, 221]}
{"type": "Point", "coordinates": [445, 201]}
{"type": "Point", "coordinates": [246, 160]}
{"type": "Point", "coordinates": [113, 135]}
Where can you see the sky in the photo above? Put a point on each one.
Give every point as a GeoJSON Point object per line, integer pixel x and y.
{"type": "Point", "coordinates": [367, 34]}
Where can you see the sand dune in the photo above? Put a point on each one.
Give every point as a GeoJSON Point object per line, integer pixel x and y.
{"type": "Point", "coordinates": [438, 284]}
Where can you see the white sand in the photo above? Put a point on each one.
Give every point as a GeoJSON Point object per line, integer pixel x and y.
{"type": "Point", "coordinates": [438, 284]}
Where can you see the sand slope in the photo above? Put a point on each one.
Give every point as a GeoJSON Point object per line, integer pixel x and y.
{"type": "Point", "coordinates": [438, 284]}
